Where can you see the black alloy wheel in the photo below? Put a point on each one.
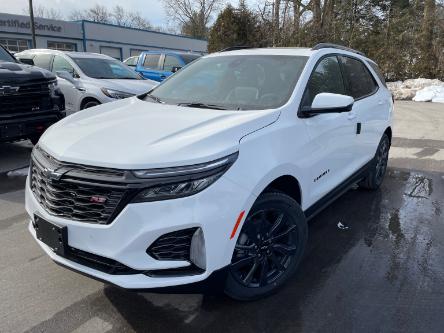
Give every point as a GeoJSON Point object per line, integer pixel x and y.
{"type": "Point", "coordinates": [269, 247]}
{"type": "Point", "coordinates": [378, 167]}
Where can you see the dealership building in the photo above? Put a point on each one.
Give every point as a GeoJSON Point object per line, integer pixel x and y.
{"type": "Point", "coordinates": [116, 41]}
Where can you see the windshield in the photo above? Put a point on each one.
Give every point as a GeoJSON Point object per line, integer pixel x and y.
{"type": "Point", "coordinates": [5, 56]}
{"type": "Point", "coordinates": [100, 68]}
{"type": "Point", "coordinates": [240, 82]}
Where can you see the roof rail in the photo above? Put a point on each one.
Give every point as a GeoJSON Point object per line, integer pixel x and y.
{"type": "Point", "coordinates": [336, 46]}
{"type": "Point", "coordinates": [234, 48]}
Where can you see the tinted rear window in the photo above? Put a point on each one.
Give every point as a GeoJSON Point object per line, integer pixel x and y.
{"type": "Point", "coordinates": [360, 82]}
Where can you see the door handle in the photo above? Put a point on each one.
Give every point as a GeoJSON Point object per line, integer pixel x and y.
{"type": "Point", "coordinates": [351, 116]}
{"type": "Point", "coordinates": [162, 77]}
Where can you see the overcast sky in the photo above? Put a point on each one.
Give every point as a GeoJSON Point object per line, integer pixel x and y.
{"type": "Point", "coordinates": [150, 9]}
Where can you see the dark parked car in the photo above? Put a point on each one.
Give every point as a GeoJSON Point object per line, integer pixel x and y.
{"type": "Point", "coordinates": [30, 101]}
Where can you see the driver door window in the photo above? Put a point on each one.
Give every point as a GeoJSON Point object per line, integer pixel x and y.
{"type": "Point", "coordinates": [61, 64]}
{"type": "Point", "coordinates": [326, 78]}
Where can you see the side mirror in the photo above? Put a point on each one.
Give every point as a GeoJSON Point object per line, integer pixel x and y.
{"type": "Point", "coordinates": [175, 69]}
{"type": "Point", "coordinates": [330, 103]}
{"type": "Point", "coordinates": [67, 76]}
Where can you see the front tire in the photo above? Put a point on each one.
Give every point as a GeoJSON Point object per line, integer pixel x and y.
{"type": "Point", "coordinates": [378, 167]}
{"type": "Point", "coordinates": [269, 248]}
{"type": "Point", "coordinates": [90, 104]}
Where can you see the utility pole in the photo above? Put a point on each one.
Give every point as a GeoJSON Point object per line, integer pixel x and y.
{"type": "Point", "coordinates": [31, 15]}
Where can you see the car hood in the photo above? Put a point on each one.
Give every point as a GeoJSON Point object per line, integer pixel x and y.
{"type": "Point", "coordinates": [134, 134]}
{"type": "Point", "coordinates": [15, 73]}
{"type": "Point", "coordinates": [132, 86]}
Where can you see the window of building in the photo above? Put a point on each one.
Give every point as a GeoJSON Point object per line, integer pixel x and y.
{"type": "Point", "coordinates": [15, 45]}
{"type": "Point", "coordinates": [114, 52]}
{"type": "Point", "coordinates": [359, 80]}
{"type": "Point", "coordinates": [62, 46]}
{"type": "Point", "coordinates": [151, 61]}
{"type": "Point", "coordinates": [326, 78]}
{"type": "Point", "coordinates": [136, 52]}
{"type": "Point", "coordinates": [170, 62]}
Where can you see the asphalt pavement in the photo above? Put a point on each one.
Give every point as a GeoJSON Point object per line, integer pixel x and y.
{"type": "Point", "coordinates": [374, 262]}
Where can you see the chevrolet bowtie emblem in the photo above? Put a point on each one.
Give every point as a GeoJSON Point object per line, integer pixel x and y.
{"type": "Point", "coordinates": [7, 90]}
{"type": "Point", "coordinates": [52, 174]}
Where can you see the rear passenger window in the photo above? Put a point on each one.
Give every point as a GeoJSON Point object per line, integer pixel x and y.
{"type": "Point", "coordinates": [360, 82]}
{"type": "Point", "coordinates": [326, 78]}
{"type": "Point", "coordinates": [151, 61]}
{"type": "Point", "coordinates": [43, 61]}
{"type": "Point", "coordinates": [378, 72]}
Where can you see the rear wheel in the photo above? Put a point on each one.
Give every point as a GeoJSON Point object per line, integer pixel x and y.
{"type": "Point", "coordinates": [269, 248]}
{"type": "Point", "coordinates": [378, 166]}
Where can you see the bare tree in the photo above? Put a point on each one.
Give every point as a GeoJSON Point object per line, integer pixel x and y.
{"type": "Point", "coordinates": [119, 16]}
{"type": "Point", "coordinates": [98, 13]}
{"type": "Point", "coordinates": [193, 16]}
{"type": "Point", "coordinates": [43, 12]}
{"type": "Point", "coordinates": [137, 21]}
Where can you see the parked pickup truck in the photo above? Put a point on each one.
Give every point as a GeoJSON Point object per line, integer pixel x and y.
{"type": "Point", "coordinates": [30, 101]}
{"type": "Point", "coordinates": [158, 65]}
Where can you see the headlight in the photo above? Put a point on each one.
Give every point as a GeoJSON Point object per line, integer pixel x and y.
{"type": "Point", "coordinates": [116, 93]}
{"type": "Point", "coordinates": [182, 181]}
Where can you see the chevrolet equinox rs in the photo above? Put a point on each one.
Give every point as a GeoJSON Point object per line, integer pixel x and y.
{"type": "Point", "coordinates": [212, 175]}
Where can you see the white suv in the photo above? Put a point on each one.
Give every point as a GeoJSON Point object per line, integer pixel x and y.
{"type": "Point", "coordinates": [88, 79]}
{"type": "Point", "coordinates": [213, 175]}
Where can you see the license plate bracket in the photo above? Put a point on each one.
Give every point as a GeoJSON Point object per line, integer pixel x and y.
{"type": "Point", "coordinates": [56, 237]}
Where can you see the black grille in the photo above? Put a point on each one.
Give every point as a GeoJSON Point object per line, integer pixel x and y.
{"type": "Point", "coordinates": [29, 98]}
{"type": "Point", "coordinates": [72, 197]}
{"type": "Point", "coordinates": [173, 246]}
{"type": "Point", "coordinates": [99, 263]}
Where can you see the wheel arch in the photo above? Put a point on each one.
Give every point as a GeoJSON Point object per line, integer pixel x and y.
{"type": "Point", "coordinates": [389, 133]}
{"type": "Point", "coordinates": [88, 99]}
{"type": "Point", "coordinates": [287, 184]}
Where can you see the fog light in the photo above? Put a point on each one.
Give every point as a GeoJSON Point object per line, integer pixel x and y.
{"type": "Point", "coordinates": [197, 251]}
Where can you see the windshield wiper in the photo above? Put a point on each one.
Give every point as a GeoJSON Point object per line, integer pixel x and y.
{"type": "Point", "coordinates": [157, 99]}
{"type": "Point", "coordinates": [202, 105]}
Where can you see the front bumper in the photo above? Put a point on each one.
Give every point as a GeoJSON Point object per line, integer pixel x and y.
{"type": "Point", "coordinates": [16, 128]}
{"type": "Point", "coordinates": [137, 226]}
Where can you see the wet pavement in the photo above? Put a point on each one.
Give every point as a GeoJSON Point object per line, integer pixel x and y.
{"type": "Point", "coordinates": [383, 271]}
{"type": "Point", "coordinates": [374, 263]}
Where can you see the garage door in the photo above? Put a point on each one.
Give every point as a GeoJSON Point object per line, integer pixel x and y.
{"type": "Point", "coordinates": [114, 52]}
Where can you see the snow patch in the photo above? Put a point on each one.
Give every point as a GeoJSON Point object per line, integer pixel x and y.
{"type": "Point", "coordinates": [428, 94]}
{"type": "Point", "coordinates": [419, 90]}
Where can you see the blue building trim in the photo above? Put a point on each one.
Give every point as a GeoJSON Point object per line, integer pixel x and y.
{"type": "Point", "coordinates": [83, 36]}
{"type": "Point", "coordinates": [38, 35]}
